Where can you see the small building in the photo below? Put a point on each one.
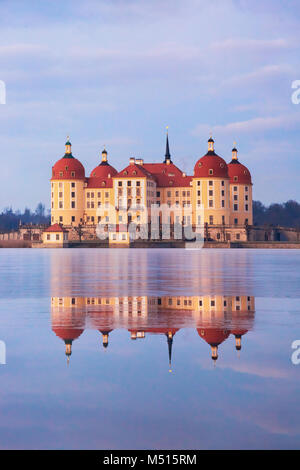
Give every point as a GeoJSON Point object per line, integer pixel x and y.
{"type": "Point", "coordinates": [119, 236]}
{"type": "Point", "coordinates": [55, 236]}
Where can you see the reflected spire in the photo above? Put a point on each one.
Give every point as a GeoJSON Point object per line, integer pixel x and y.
{"type": "Point", "coordinates": [170, 344]}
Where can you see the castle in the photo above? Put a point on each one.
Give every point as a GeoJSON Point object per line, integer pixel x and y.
{"type": "Point", "coordinates": [218, 196]}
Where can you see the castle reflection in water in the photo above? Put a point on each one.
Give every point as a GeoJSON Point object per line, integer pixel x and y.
{"type": "Point", "coordinates": [106, 290]}
{"type": "Point", "coordinates": [214, 317]}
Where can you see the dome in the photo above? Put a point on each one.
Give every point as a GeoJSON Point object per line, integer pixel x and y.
{"type": "Point", "coordinates": [68, 334]}
{"type": "Point", "coordinates": [68, 167]}
{"type": "Point", "coordinates": [211, 165]}
{"type": "Point", "coordinates": [213, 336]}
{"type": "Point", "coordinates": [238, 173]}
{"type": "Point", "coordinates": [103, 171]}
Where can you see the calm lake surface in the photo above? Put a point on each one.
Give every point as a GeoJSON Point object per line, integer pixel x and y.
{"type": "Point", "coordinates": [149, 349]}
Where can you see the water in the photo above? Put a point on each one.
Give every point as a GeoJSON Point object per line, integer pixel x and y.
{"type": "Point", "coordinates": [158, 310]}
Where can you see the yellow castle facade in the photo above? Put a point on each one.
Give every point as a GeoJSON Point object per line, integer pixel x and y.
{"type": "Point", "coordinates": [218, 196]}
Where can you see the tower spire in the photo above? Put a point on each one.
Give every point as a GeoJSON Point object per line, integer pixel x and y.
{"type": "Point", "coordinates": [68, 147]}
{"type": "Point", "coordinates": [167, 155]}
{"type": "Point", "coordinates": [211, 144]}
{"type": "Point", "coordinates": [170, 344]}
{"type": "Point", "coordinates": [234, 153]}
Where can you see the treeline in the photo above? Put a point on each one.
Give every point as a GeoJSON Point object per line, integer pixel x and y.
{"type": "Point", "coordinates": [10, 220]}
{"type": "Point", "coordinates": [284, 215]}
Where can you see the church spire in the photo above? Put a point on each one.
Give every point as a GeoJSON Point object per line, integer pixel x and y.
{"type": "Point", "coordinates": [167, 155]}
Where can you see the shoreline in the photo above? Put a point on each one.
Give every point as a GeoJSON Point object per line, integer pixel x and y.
{"type": "Point", "coordinates": [155, 244]}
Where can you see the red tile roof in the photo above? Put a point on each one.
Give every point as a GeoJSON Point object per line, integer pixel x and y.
{"type": "Point", "coordinates": [55, 228]}
{"type": "Point", "coordinates": [168, 175]}
{"type": "Point", "coordinates": [99, 183]}
{"type": "Point", "coordinates": [135, 171]}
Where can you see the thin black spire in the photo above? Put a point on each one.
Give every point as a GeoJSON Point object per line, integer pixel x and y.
{"type": "Point", "coordinates": [167, 155]}
{"type": "Point", "coordinates": [170, 344]}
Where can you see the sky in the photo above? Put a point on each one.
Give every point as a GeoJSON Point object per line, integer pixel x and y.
{"type": "Point", "coordinates": [117, 72]}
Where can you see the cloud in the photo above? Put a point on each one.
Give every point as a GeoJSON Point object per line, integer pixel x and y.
{"type": "Point", "coordinates": [251, 126]}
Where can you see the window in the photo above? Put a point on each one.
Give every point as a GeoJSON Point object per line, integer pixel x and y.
{"type": "Point", "coordinates": [120, 183]}
{"type": "Point", "coordinates": [246, 188]}
{"type": "Point", "coordinates": [211, 219]}
{"type": "Point", "coordinates": [236, 221]}
{"type": "Point", "coordinates": [212, 303]}
{"type": "Point", "coordinates": [123, 236]}
{"type": "Point", "coordinates": [72, 194]}
{"type": "Point", "coordinates": [223, 203]}
{"type": "Point", "coordinates": [48, 236]}
{"type": "Point", "coordinates": [73, 204]}
{"type": "Point", "coordinates": [211, 203]}
{"type": "Point", "coordinates": [73, 174]}
{"type": "Point", "coordinates": [61, 173]}
{"type": "Point", "coordinates": [211, 193]}
{"type": "Point", "coordinates": [73, 185]}
{"type": "Point", "coordinates": [199, 193]}
{"type": "Point", "coordinates": [238, 236]}
{"type": "Point", "coordinates": [60, 194]}
{"type": "Point", "coordinates": [73, 218]}
{"type": "Point", "coordinates": [235, 197]}
{"type": "Point", "coordinates": [235, 207]}
{"type": "Point", "coordinates": [210, 183]}
{"type": "Point", "coordinates": [128, 183]}
{"type": "Point", "coordinates": [223, 183]}
{"type": "Point", "coordinates": [235, 188]}
{"type": "Point", "coordinates": [57, 236]}
{"type": "Point", "coordinates": [138, 183]}
{"type": "Point", "coordinates": [211, 172]}
{"type": "Point", "coordinates": [246, 207]}
{"type": "Point", "coordinates": [169, 193]}
{"type": "Point", "coordinates": [60, 205]}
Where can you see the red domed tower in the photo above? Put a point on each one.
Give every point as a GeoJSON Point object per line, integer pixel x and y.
{"type": "Point", "coordinates": [211, 189]}
{"type": "Point", "coordinates": [240, 192]}
{"type": "Point", "coordinates": [214, 337]}
{"type": "Point", "coordinates": [68, 335]}
{"type": "Point", "coordinates": [103, 170]}
{"type": "Point", "coordinates": [67, 189]}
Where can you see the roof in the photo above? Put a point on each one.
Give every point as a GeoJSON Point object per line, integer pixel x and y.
{"type": "Point", "coordinates": [211, 161]}
{"type": "Point", "coordinates": [100, 183]}
{"type": "Point", "coordinates": [213, 336]}
{"type": "Point", "coordinates": [103, 170]}
{"type": "Point", "coordinates": [55, 228]}
{"type": "Point", "coordinates": [168, 175]}
{"type": "Point", "coordinates": [135, 171]}
{"type": "Point", "coordinates": [68, 168]}
{"type": "Point", "coordinates": [68, 334]}
{"type": "Point", "coordinates": [238, 173]}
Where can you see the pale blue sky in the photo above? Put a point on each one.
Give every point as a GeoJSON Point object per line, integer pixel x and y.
{"type": "Point", "coordinates": [117, 72]}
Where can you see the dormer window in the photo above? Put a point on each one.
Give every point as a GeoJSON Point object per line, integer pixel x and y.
{"type": "Point", "coordinates": [61, 173]}
{"type": "Point", "coordinates": [73, 174]}
{"type": "Point", "coordinates": [211, 172]}
{"type": "Point", "coordinates": [67, 168]}
{"type": "Point", "coordinates": [235, 178]}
